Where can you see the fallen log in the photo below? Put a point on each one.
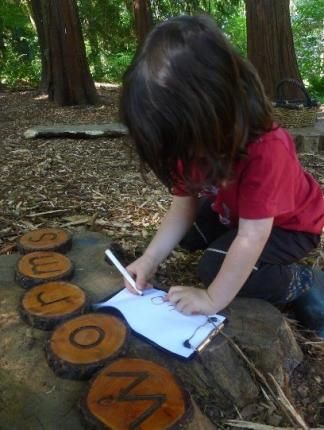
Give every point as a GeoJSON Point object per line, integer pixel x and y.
{"type": "Point", "coordinates": [77, 131]}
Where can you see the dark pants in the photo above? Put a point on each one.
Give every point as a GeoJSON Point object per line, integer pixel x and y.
{"type": "Point", "coordinates": [271, 275]}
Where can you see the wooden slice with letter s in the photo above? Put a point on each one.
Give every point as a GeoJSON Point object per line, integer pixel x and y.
{"type": "Point", "coordinates": [45, 306]}
{"type": "Point", "coordinates": [45, 239]}
{"type": "Point", "coordinates": [80, 346]}
{"type": "Point", "coordinates": [43, 266]}
{"type": "Point", "coordinates": [136, 394]}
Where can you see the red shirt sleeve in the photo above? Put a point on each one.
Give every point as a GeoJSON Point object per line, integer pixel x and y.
{"type": "Point", "coordinates": [267, 185]}
{"type": "Point", "coordinates": [179, 187]}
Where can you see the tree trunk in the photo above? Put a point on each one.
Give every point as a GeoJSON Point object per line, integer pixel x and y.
{"type": "Point", "coordinates": [270, 44]}
{"type": "Point", "coordinates": [143, 19]}
{"type": "Point", "coordinates": [65, 72]}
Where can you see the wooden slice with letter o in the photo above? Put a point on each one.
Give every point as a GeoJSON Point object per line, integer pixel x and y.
{"type": "Point", "coordinates": [43, 266]}
{"type": "Point", "coordinates": [136, 394]}
{"type": "Point", "coordinates": [45, 306]}
{"type": "Point", "coordinates": [45, 239]}
{"type": "Point", "coordinates": [81, 346]}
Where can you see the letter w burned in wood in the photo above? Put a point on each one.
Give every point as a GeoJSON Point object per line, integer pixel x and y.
{"type": "Point", "coordinates": [124, 395]}
{"type": "Point", "coordinates": [38, 266]}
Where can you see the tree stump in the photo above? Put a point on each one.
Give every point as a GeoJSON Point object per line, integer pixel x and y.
{"type": "Point", "coordinates": [136, 394]}
{"type": "Point", "coordinates": [45, 306]}
{"type": "Point", "coordinates": [42, 266]}
{"type": "Point", "coordinates": [218, 378]}
{"type": "Point", "coordinates": [79, 347]}
{"type": "Point", "coordinates": [45, 239]}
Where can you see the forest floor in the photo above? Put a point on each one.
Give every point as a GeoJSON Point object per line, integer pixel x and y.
{"type": "Point", "coordinates": [96, 184]}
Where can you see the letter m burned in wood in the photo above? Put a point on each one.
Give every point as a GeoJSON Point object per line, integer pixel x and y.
{"type": "Point", "coordinates": [137, 394]}
{"type": "Point", "coordinates": [41, 266]}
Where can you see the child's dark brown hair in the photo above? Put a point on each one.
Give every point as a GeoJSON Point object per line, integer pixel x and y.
{"type": "Point", "coordinates": [188, 95]}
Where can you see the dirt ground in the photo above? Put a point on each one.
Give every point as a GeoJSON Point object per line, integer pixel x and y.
{"type": "Point", "coordinates": [96, 184]}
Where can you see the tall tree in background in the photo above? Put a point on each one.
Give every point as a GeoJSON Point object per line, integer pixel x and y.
{"type": "Point", "coordinates": [143, 19]}
{"type": "Point", "coordinates": [65, 72]}
{"type": "Point", "coordinates": [270, 43]}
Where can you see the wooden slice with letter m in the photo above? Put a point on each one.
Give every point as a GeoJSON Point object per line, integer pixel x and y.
{"type": "Point", "coordinates": [136, 394]}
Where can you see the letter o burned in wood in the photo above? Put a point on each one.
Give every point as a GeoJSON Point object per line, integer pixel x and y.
{"type": "Point", "coordinates": [38, 267]}
{"type": "Point", "coordinates": [45, 306]}
{"type": "Point", "coordinates": [79, 347]}
{"type": "Point", "coordinates": [45, 239]}
{"type": "Point", "coordinates": [136, 394]}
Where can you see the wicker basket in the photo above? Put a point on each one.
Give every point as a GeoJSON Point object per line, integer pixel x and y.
{"type": "Point", "coordinates": [294, 113]}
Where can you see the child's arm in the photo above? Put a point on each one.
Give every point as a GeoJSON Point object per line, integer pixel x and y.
{"type": "Point", "coordinates": [175, 223]}
{"type": "Point", "coordinates": [238, 264]}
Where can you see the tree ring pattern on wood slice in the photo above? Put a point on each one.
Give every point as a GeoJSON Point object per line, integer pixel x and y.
{"type": "Point", "coordinates": [80, 346]}
{"type": "Point", "coordinates": [45, 306]}
{"type": "Point", "coordinates": [45, 239]}
{"type": "Point", "coordinates": [43, 266]}
{"type": "Point", "coordinates": [136, 394]}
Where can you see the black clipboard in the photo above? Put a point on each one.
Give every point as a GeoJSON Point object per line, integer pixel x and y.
{"type": "Point", "coordinates": [195, 351]}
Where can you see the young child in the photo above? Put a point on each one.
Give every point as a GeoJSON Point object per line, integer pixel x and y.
{"type": "Point", "coordinates": [200, 120]}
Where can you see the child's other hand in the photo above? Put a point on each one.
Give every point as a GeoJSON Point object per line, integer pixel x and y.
{"type": "Point", "coordinates": [142, 270]}
{"type": "Point", "coordinates": [190, 300]}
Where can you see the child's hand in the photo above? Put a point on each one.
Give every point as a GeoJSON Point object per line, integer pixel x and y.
{"type": "Point", "coordinates": [142, 270]}
{"type": "Point", "coordinates": [190, 300]}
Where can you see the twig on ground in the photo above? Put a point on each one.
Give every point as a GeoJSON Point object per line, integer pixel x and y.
{"type": "Point", "coordinates": [279, 399]}
{"type": "Point", "coordinates": [256, 426]}
{"type": "Point", "coordinates": [282, 398]}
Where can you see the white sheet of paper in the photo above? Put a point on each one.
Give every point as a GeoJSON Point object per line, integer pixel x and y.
{"type": "Point", "coordinates": [160, 322]}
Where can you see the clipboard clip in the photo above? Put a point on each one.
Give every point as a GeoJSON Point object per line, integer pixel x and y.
{"type": "Point", "coordinates": [209, 338]}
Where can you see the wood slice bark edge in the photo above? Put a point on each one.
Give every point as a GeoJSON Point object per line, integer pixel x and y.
{"type": "Point", "coordinates": [27, 263]}
{"type": "Point", "coordinates": [132, 392]}
{"type": "Point", "coordinates": [81, 371]}
{"type": "Point", "coordinates": [45, 239]}
{"type": "Point", "coordinates": [76, 303]}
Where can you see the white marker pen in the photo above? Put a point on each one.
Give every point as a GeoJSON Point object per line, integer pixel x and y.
{"type": "Point", "coordinates": [122, 270]}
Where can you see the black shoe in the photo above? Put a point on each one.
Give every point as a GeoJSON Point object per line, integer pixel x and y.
{"type": "Point", "coordinates": [309, 307]}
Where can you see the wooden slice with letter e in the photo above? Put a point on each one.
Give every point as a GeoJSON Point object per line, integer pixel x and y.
{"type": "Point", "coordinates": [45, 239]}
{"type": "Point", "coordinates": [79, 347]}
{"type": "Point", "coordinates": [136, 394]}
{"type": "Point", "coordinates": [45, 306]}
{"type": "Point", "coordinates": [43, 266]}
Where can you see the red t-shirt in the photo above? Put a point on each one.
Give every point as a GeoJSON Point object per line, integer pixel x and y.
{"type": "Point", "coordinates": [269, 182]}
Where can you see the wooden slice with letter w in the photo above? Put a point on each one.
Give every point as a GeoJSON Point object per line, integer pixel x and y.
{"type": "Point", "coordinates": [81, 346]}
{"type": "Point", "coordinates": [136, 394]}
{"type": "Point", "coordinates": [45, 239]}
{"type": "Point", "coordinates": [43, 266]}
{"type": "Point", "coordinates": [49, 304]}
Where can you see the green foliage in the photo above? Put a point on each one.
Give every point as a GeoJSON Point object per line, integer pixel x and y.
{"type": "Point", "coordinates": [108, 31]}
{"type": "Point", "coordinates": [19, 60]}
{"type": "Point", "coordinates": [109, 37]}
{"type": "Point", "coordinates": [308, 24]}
